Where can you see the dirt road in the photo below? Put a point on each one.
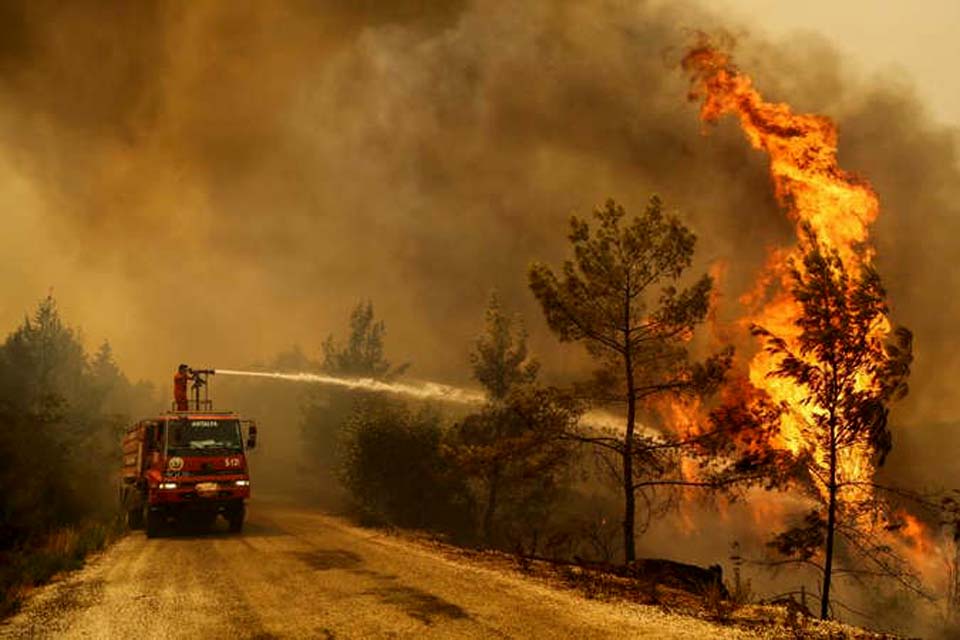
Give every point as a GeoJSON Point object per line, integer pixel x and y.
{"type": "Point", "coordinates": [296, 573]}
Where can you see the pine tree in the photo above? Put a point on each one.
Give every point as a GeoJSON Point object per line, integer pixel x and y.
{"type": "Point", "coordinates": [851, 374]}
{"type": "Point", "coordinates": [513, 448]}
{"type": "Point", "coordinates": [326, 411]}
{"type": "Point", "coordinates": [618, 296]}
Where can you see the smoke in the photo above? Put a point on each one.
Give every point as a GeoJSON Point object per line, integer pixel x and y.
{"type": "Point", "coordinates": [216, 181]}
{"type": "Point", "coordinates": [220, 181]}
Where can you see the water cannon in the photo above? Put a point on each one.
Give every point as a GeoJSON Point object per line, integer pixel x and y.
{"type": "Point", "coordinates": [199, 377]}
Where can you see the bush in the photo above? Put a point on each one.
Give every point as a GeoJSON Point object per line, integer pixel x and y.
{"type": "Point", "coordinates": [396, 473]}
{"type": "Point", "coordinates": [63, 550]}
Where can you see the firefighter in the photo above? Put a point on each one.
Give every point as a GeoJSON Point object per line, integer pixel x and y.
{"type": "Point", "coordinates": [180, 381]}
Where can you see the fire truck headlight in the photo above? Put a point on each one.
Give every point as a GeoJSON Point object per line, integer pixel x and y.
{"type": "Point", "coordinates": [243, 483]}
{"type": "Point", "coordinates": [168, 485]}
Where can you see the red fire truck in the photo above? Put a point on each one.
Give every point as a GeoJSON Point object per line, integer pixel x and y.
{"type": "Point", "coordinates": [187, 465]}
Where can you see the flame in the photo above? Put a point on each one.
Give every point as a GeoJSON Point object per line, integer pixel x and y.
{"type": "Point", "coordinates": [815, 192]}
{"type": "Point", "coordinates": [839, 208]}
{"type": "Point", "coordinates": [807, 179]}
{"type": "Point", "coordinates": [915, 533]}
{"type": "Point", "coordinates": [919, 545]}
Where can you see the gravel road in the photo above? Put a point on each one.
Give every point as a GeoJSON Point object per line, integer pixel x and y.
{"type": "Point", "coordinates": [297, 573]}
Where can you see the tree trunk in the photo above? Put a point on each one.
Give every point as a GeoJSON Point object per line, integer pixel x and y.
{"type": "Point", "coordinates": [491, 507]}
{"type": "Point", "coordinates": [629, 497]}
{"type": "Point", "coordinates": [629, 501]}
{"type": "Point", "coordinates": [831, 526]}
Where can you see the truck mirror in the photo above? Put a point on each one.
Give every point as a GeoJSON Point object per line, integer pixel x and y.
{"type": "Point", "coordinates": [252, 436]}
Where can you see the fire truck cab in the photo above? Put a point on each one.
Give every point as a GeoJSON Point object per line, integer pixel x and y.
{"type": "Point", "coordinates": [186, 466]}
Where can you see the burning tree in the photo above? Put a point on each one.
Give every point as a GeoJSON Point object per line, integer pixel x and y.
{"type": "Point", "coordinates": [850, 373]}
{"type": "Point", "coordinates": [603, 299]}
{"type": "Point", "coordinates": [831, 362]}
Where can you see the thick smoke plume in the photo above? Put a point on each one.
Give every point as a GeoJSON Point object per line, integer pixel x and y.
{"type": "Point", "coordinates": [217, 181]}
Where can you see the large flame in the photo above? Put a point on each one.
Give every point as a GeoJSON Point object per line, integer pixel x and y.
{"type": "Point", "coordinates": [839, 208]}
{"type": "Point", "coordinates": [816, 193]}
{"type": "Point", "coordinates": [807, 179]}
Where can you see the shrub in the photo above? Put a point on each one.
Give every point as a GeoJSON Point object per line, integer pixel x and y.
{"type": "Point", "coordinates": [395, 471]}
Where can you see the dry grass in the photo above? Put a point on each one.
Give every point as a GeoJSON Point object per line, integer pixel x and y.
{"type": "Point", "coordinates": [63, 550]}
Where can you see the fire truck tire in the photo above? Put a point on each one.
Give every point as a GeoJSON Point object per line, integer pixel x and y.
{"type": "Point", "coordinates": [235, 519]}
{"type": "Point", "coordinates": [153, 524]}
{"type": "Point", "coordinates": [135, 518]}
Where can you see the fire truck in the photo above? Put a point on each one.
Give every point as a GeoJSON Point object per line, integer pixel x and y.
{"type": "Point", "coordinates": [187, 466]}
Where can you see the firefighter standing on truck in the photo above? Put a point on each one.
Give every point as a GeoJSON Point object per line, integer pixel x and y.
{"type": "Point", "coordinates": [180, 381]}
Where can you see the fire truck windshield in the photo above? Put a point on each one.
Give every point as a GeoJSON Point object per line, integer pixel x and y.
{"type": "Point", "coordinates": [203, 437]}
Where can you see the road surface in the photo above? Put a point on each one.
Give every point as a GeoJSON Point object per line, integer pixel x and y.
{"type": "Point", "coordinates": [297, 573]}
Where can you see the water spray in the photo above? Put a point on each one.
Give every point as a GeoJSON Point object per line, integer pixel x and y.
{"type": "Point", "coordinates": [422, 390]}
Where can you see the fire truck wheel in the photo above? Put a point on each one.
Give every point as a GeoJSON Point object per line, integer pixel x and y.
{"type": "Point", "coordinates": [153, 524]}
{"type": "Point", "coordinates": [235, 518]}
{"type": "Point", "coordinates": [135, 518]}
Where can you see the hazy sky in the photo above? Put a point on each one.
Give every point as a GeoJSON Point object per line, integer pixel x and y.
{"type": "Point", "coordinates": [914, 42]}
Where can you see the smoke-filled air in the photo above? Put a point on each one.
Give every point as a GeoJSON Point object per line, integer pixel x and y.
{"type": "Point", "coordinates": [641, 303]}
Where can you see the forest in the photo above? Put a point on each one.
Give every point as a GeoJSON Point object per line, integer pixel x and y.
{"type": "Point", "coordinates": [566, 472]}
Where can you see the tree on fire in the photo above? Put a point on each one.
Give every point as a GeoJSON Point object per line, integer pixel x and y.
{"type": "Point", "coordinates": [851, 374]}
{"type": "Point", "coordinates": [619, 297]}
{"type": "Point", "coordinates": [514, 448]}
